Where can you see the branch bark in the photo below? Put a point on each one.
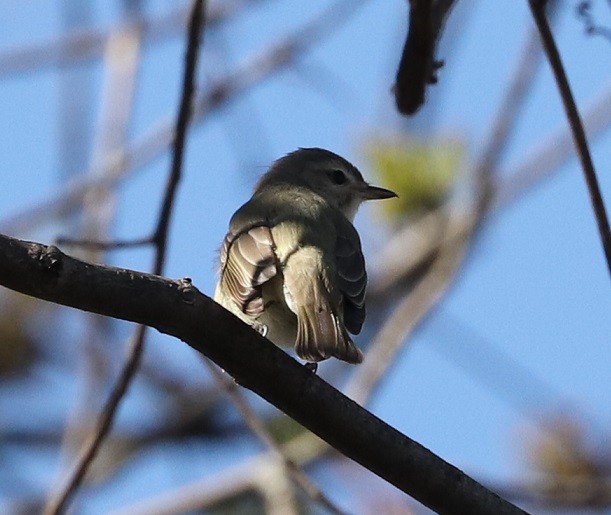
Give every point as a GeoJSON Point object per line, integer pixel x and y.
{"type": "Point", "coordinates": [177, 308]}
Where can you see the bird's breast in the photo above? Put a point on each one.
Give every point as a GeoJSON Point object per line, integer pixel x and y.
{"type": "Point", "coordinates": [279, 319]}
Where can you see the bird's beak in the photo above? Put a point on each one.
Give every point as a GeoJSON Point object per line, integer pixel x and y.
{"type": "Point", "coordinates": [369, 192]}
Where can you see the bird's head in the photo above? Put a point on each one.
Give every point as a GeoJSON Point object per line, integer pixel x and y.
{"type": "Point", "coordinates": [327, 174]}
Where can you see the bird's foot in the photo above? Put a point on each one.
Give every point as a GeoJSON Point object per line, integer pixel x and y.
{"type": "Point", "coordinates": [312, 367]}
{"type": "Point", "coordinates": [260, 328]}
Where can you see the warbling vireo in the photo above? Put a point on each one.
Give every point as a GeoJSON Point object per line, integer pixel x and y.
{"type": "Point", "coordinates": [291, 263]}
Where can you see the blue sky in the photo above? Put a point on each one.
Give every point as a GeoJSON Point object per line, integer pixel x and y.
{"type": "Point", "coordinates": [535, 285]}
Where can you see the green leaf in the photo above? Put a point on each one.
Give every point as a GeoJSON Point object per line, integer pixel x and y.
{"type": "Point", "coordinates": [420, 172]}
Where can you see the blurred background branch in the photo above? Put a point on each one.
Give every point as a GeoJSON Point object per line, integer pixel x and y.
{"type": "Point", "coordinates": [88, 44]}
{"type": "Point", "coordinates": [257, 426]}
{"type": "Point", "coordinates": [510, 304]}
{"type": "Point", "coordinates": [419, 65]}
{"type": "Point", "coordinates": [58, 502]}
{"type": "Point", "coordinates": [159, 137]}
{"type": "Point", "coordinates": [121, 69]}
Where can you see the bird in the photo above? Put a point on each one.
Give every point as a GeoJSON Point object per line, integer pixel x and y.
{"type": "Point", "coordinates": [291, 263]}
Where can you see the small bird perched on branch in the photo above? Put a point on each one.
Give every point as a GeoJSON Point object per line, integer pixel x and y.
{"type": "Point", "coordinates": [291, 263]}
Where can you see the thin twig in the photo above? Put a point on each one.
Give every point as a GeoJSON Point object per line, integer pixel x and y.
{"type": "Point", "coordinates": [80, 45]}
{"type": "Point", "coordinates": [458, 228]}
{"type": "Point", "coordinates": [184, 115]}
{"type": "Point", "coordinates": [539, 162]}
{"type": "Point", "coordinates": [412, 309]}
{"type": "Point", "coordinates": [160, 136]}
{"type": "Point", "coordinates": [537, 8]}
{"type": "Point", "coordinates": [130, 366]}
{"type": "Point", "coordinates": [121, 66]}
{"type": "Point", "coordinates": [260, 431]}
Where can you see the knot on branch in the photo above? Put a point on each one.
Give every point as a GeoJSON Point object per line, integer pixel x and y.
{"type": "Point", "coordinates": [187, 290]}
{"type": "Point", "coordinates": [48, 258]}
{"type": "Point", "coordinates": [436, 66]}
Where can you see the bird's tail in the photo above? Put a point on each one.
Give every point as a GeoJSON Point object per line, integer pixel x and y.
{"type": "Point", "coordinates": [321, 334]}
{"type": "Point", "coordinates": [311, 295]}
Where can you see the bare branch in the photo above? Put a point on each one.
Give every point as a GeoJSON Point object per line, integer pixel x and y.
{"type": "Point", "coordinates": [82, 45]}
{"type": "Point", "coordinates": [159, 137]}
{"type": "Point", "coordinates": [178, 309]}
{"type": "Point", "coordinates": [258, 429]}
{"type": "Point", "coordinates": [589, 25]}
{"type": "Point", "coordinates": [418, 66]}
{"type": "Point", "coordinates": [537, 8]}
{"type": "Point", "coordinates": [91, 447]}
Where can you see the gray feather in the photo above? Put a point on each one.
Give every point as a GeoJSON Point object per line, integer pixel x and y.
{"type": "Point", "coordinates": [351, 276]}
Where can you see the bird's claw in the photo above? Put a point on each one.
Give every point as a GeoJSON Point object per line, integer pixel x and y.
{"type": "Point", "coordinates": [312, 367]}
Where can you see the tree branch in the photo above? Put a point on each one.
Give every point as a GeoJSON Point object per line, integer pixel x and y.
{"type": "Point", "coordinates": [418, 66]}
{"type": "Point", "coordinates": [257, 427]}
{"type": "Point", "coordinates": [79, 46]}
{"type": "Point", "coordinates": [160, 135]}
{"type": "Point", "coordinates": [537, 8]}
{"type": "Point", "coordinates": [583, 11]}
{"type": "Point", "coordinates": [122, 57]}
{"type": "Point", "coordinates": [58, 503]}
{"type": "Point", "coordinates": [177, 308]}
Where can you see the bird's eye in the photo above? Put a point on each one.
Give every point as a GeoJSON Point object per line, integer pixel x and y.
{"type": "Point", "coordinates": [338, 177]}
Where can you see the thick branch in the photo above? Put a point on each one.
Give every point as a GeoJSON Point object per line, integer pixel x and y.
{"type": "Point", "coordinates": [179, 309]}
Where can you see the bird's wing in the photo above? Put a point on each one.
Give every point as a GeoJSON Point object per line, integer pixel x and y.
{"type": "Point", "coordinates": [248, 260]}
{"type": "Point", "coordinates": [351, 275]}
{"type": "Point", "coordinates": [312, 294]}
